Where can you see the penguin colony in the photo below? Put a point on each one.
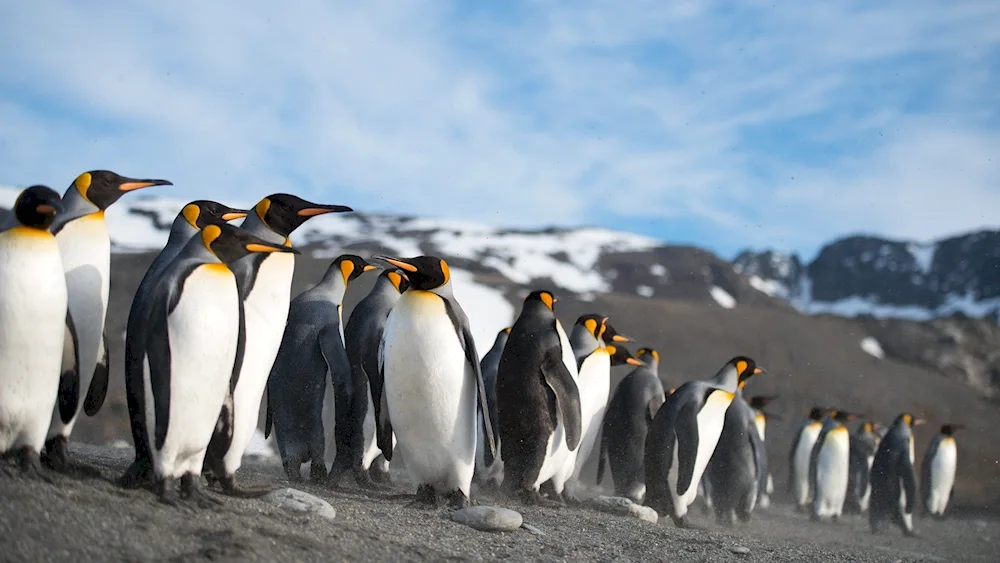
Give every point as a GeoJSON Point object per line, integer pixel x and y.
{"type": "Point", "coordinates": [213, 325]}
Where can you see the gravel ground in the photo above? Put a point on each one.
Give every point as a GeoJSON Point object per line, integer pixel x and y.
{"type": "Point", "coordinates": [94, 520]}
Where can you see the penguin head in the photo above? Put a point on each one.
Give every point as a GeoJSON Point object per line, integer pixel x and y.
{"type": "Point", "coordinates": [909, 420]}
{"type": "Point", "coordinates": [540, 300]}
{"type": "Point", "coordinates": [397, 279]}
{"type": "Point", "coordinates": [594, 324]}
{"type": "Point", "coordinates": [425, 273]}
{"type": "Point", "coordinates": [646, 355]}
{"type": "Point", "coordinates": [950, 429]}
{"type": "Point", "coordinates": [745, 367]}
{"type": "Point", "coordinates": [611, 335]}
{"type": "Point", "coordinates": [842, 415]}
{"type": "Point", "coordinates": [621, 356]}
{"type": "Point", "coordinates": [349, 267]}
{"type": "Point", "coordinates": [760, 401]}
{"type": "Point", "coordinates": [817, 413]}
{"type": "Point", "coordinates": [37, 207]}
{"type": "Point", "coordinates": [283, 213]}
{"type": "Point", "coordinates": [103, 187]}
{"type": "Point", "coordinates": [201, 213]}
{"type": "Point", "coordinates": [229, 243]}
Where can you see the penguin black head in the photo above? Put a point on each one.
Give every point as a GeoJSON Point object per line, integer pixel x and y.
{"type": "Point", "coordinates": [621, 356]}
{"type": "Point", "coordinates": [950, 429]}
{"type": "Point", "coordinates": [745, 367]}
{"type": "Point", "coordinates": [909, 420]}
{"type": "Point", "coordinates": [595, 324]}
{"type": "Point", "coordinates": [817, 413]}
{"type": "Point", "coordinates": [229, 243]}
{"type": "Point", "coordinates": [539, 299]}
{"type": "Point", "coordinates": [283, 213]}
{"type": "Point", "coordinates": [104, 187]}
{"type": "Point", "coordinates": [397, 279]}
{"type": "Point", "coordinates": [201, 213]}
{"type": "Point", "coordinates": [843, 416]}
{"type": "Point", "coordinates": [424, 273]}
{"type": "Point", "coordinates": [350, 267]}
{"type": "Point", "coordinates": [760, 401]}
{"type": "Point", "coordinates": [37, 207]}
{"type": "Point", "coordinates": [611, 335]}
{"type": "Point", "coordinates": [641, 353]}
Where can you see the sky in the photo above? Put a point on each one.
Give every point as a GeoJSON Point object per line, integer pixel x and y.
{"type": "Point", "coordinates": [721, 124]}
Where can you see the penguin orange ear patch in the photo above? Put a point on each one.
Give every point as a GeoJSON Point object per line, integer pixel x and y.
{"type": "Point", "coordinates": [209, 234]}
{"type": "Point", "coordinates": [261, 209]}
{"type": "Point", "coordinates": [82, 183]}
{"type": "Point", "coordinates": [741, 366]}
{"type": "Point", "coordinates": [591, 325]}
{"type": "Point", "coordinates": [446, 271]}
{"type": "Point", "coordinates": [546, 298]}
{"type": "Point", "coordinates": [191, 213]}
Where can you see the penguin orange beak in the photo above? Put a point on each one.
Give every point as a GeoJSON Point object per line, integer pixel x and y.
{"type": "Point", "coordinates": [323, 210]}
{"type": "Point", "coordinates": [46, 209]}
{"type": "Point", "coordinates": [758, 370]}
{"type": "Point", "coordinates": [405, 266]}
{"type": "Point", "coordinates": [622, 338]}
{"type": "Point", "coordinates": [129, 184]}
{"type": "Point", "coordinates": [918, 421]}
{"type": "Point", "coordinates": [257, 247]}
{"type": "Point", "coordinates": [634, 362]}
{"type": "Point", "coordinates": [369, 267]}
{"type": "Point", "coordinates": [234, 214]}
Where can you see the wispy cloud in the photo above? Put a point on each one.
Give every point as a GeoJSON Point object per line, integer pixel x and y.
{"type": "Point", "coordinates": [779, 124]}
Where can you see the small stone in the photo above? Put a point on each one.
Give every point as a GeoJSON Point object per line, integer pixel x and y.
{"type": "Point", "coordinates": [532, 529]}
{"type": "Point", "coordinates": [624, 507]}
{"type": "Point", "coordinates": [299, 501]}
{"type": "Point", "coordinates": [488, 518]}
{"type": "Point", "coordinates": [739, 549]}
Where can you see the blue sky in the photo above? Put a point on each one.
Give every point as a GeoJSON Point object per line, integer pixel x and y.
{"type": "Point", "coordinates": [770, 124]}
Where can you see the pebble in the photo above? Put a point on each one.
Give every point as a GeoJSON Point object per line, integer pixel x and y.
{"type": "Point", "coordinates": [739, 549]}
{"type": "Point", "coordinates": [488, 518]}
{"type": "Point", "coordinates": [624, 507]}
{"type": "Point", "coordinates": [299, 501]}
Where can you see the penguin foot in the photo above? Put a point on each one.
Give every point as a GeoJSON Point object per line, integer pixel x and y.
{"type": "Point", "coordinates": [457, 499]}
{"type": "Point", "coordinates": [910, 533]}
{"type": "Point", "coordinates": [167, 492]}
{"type": "Point", "coordinates": [293, 471]}
{"type": "Point", "coordinates": [138, 475]}
{"type": "Point", "coordinates": [377, 475]}
{"type": "Point", "coordinates": [57, 459]}
{"type": "Point", "coordinates": [532, 497]}
{"type": "Point", "coordinates": [191, 491]}
{"type": "Point", "coordinates": [682, 522]}
{"type": "Point", "coordinates": [231, 489]}
{"type": "Point", "coordinates": [426, 498]}
{"type": "Point", "coordinates": [30, 463]}
{"type": "Point", "coordinates": [364, 480]}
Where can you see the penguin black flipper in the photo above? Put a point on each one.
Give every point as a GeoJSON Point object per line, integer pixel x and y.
{"type": "Point", "coordinates": [791, 460]}
{"type": "Point", "coordinates": [909, 478]}
{"type": "Point", "coordinates": [157, 354]}
{"type": "Point", "coordinates": [602, 455]}
{"type": "Point", "coordinates": [69, 381]}
{"type": "Point", "coordinates": [268, 418]}
{"type": "Point", "coordinates": [759, 457]}
{"type": "Point", "coordinates": [925, 471]}
{"type": "Point", "coordinates": [461, 323]}
{"type": "Point", "coordinates": [814, 460]}
{"type": "Point", "coordinates": [686, 429]}
{"type": "Point", "coordinates": [567, 395]}
{"type": "Point", "coordinates": [222, 436]}
{"type": "Point", "coordinates": [331, 347]}
{"type": "Point", "coordinates": [383, 426]}
{"type": "Point", "coordinates": [99, 384]}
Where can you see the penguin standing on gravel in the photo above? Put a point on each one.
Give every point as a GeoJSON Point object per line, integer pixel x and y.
{"type": "Point", "coordinates": [683, 437]}
{"type": "Point", "coordinates": [800, 454]}
{"type": "Point", "coordinates": [85, 247]}
{"type": "Point", "coordinates": [760, 418]}
{"type": "Point", "coordinates": [829, 466]}
{"type": "Point", "coordinates": [864, 442]}
{"type": "Point", "coordinates": [362, 336]}
{"type": "Point", "coordinates": [489, 365]}
{"type": "Point", "coordinates": [737, 471]}
{"type": "Point", "coordinates": [538, 401]}
{"type": "Point", "coordinates": [192, 218]}
{"type": "Point", "coordinates": [634, 404]}
{"type": "Point", "coordinates": [894, 481]}
{"type": "Point", "coordinates": [938, 471]}
{"type": "Point", "coordinates": [432, 387]}
{"type": "Point", "coordinates": [265, 283]}
{"type": "Point", "coordinates": [33, 316]}
{"type": "Point", "coordinates": [192, 346]}
{"type": "Point", "coordinates": [310, 368]}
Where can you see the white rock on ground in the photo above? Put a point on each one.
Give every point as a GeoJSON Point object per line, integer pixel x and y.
{"type": "Point", "coordinates": [299, 501]}
{"type": "Point", "coordinates": [624, 507]}
{"type": "Point", "coordinates": [488, 518]}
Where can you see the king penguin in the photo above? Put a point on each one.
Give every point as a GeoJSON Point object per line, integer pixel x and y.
{"type": "Point", "coordinates": [265, 283]}
{"type": "Point", "coordinates": [85, 248]}
{"type": "Point", "coordinates": [737, 471]}
{"type": "Point", "coordinates": [829, 466]}
{"type": "Point", "coordinates": [33, 307]}
{"type": "Point", "coordinates": [938, 474]}
{"type": "Point", "coordinates": [192, 218]}
{"type": "Point", "coordinates": [192, 346]}
{"type": "Point", "coordinates": [864, 442]}
{"type": "Point", "coordinates": [432, 386]}
{"type": "Point", "coordinates": [538, 403]}
{"type": "Point", "coordinates": [894, 481]}
{"type": "Point", "coordinates": [362, 337]}
{"type": "Point", "coordinates": [683, 436]}
{"type": "Point", "coordinates": [312, 366]}
{"type": "Point", "coordinates": [757, 403]}
{"type": "Point", "coordinates": [635, 402]}
{"type": "Point", "coordinates": [799, 455]}
{"type": "Point", "coordinates": [493, 473]}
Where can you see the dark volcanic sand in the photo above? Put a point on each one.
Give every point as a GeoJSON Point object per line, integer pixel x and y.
{"type": "Point", "coordinates": [95, 520]}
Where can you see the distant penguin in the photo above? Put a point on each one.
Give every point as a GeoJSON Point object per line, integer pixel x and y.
{"type": "Point", "coordinates": [432, 387]}
{"type": "Point", "coordinates": [757, 403]}
{"type": "Point", "coordinates": [538, 402]}
{"type": "Point", "coordinates": [893, 479]}
{"type": "Point", "coordinates": [829, 466]}
{"type": "Point", "coordinates": [737, 471]}
{"type": "Point", "coordinates": [683, 437]}
{"type": "Point", "coordinates": [33, 307]}
{"type": "Point", "coordinates": [864, 442]}
{"type": "Point", "coordinates": [635, 402]}
{"type": "Point", "coordinates": [310, 366]}
{"type": "Point", "coordinates": [489, 365]}
{"type": "Point", "coordinates": [362, 336]}
{"type": "Point", "coordinates": [191, 219]}
{"type": "Point", "coordinates": [265, 283]}
{"type": "Point", "coordinates": [594, 384]}
{"type": "Point", "coordinates": [192, 345]}
{"type": "Point", "coordinates": [940, 461]}
{"type": "Point", "coordinates": [799, 455]}
{"type": "Point", "coordinates": [85, 248]}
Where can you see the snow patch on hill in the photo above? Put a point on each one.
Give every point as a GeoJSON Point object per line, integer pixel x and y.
{"type": "Point", "coordinates": [722, 297]}
{"type": "Point", "coordinates": [872, 346]}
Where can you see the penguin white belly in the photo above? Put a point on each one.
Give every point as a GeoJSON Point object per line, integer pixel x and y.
{"type": "Point", "coordinates": [203, 335]}
{"type": "Point", "coordinates": [595, 386]}
{"type": "Point", "coordinates": [430, 392]}
{"type": "Point", "coordinates": [710, 420]}
{"type": "Point", "coordinates": [807, 440]}
{"type": "Point", "coordinates": [942, 476]}
{"type": "Point", "coordinates": [86, 257]}
{"type": "Point", "coordinates": [832, 469]}
{"type": "Point", "coordinates": [266, 311]}
{"type": "Point", "coordinates": [32, 328]}
{"type": "Point", "coordinates": [560, 460]}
